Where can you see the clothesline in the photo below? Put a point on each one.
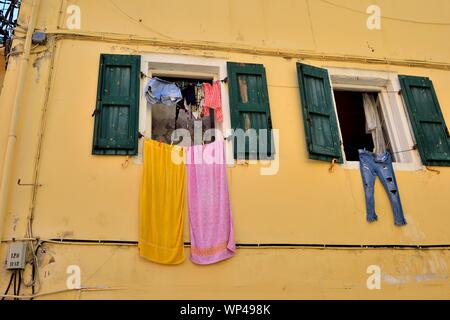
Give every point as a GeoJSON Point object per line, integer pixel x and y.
{"type": "Point", "coordinates": [392, 152]}
{"type": "Point", "coordinates": [143, 75]}
{"type": "Point", "coordinates": [203, 141]}
{"type": "Point", "coordinates": [197, 100]}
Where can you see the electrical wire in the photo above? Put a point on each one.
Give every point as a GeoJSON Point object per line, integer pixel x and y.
{"type": "Point", "coordinates": [138, 21]}
{"type": "Point", "coordinates": [35, 269]}
{"type": "Point", "coordinates": [9, 285]}
{"type": "Point", "coordinates": [230, 47]}
{"type": "Point", "coordinates": [387, 17]}
{"type": "Point", "coordinates": [14, 283]}
{"type": "Point", "coordinates": [19, 282]}
{"type": "Point", "coordinates": [87, 289]}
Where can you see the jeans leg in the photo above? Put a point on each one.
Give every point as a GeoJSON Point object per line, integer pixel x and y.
{"type": "Point", "coordinates": [368, 178]}
{"type": "Point", "coordinates": [387, 177]}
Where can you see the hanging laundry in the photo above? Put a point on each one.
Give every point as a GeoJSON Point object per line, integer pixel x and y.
{"type": "Point", "coordinates": [373, 165]}
{"type": "Point", "coordinates": [162, 91]}
{"type": "Point", "coordinates": [211, 225]}
{"type": "Point", "coordinates": [373, 122]}
{"type": "Point", "coordinates": [197, 110]}
{"type": "Point", "coordinates": [189, 96]}
{"type": "Point", "coordinates": [162, 205]}
{"type": "Point", "coordinates": [213, 99]}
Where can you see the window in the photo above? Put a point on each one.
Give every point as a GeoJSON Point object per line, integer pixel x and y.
{"type": "Point", "coordinates": [179, 67]}
{"type": "Point", "coordinates": [117, 109]}
{"type": "Point", "coordinates": [250, 109]}
{"type": "Point", "coordinates": [362, 123]}
{"type": "Point", "coordinates": [369, 111]}
{"type": "Point", "coordinates": [166, 119]}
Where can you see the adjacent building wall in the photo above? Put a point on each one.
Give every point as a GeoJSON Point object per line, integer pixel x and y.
{"type": "Point", "coordinates": [94, 197]}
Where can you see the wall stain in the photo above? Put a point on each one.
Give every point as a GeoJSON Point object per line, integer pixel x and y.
{"type": "Point", "coordinates": [38, 62]}
{"type": "Point", "coordinates": [65, 234]}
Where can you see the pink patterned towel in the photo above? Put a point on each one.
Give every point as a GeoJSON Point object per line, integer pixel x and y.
{"type": "Point", "coordinates": [211, 225]}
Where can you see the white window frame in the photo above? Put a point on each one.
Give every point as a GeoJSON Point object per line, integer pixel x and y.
{"type": "Point", "coordinates": [154, 64]}
{"type": "Point", "coordinates": [387, 85]}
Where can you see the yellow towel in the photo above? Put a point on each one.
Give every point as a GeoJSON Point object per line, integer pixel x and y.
{"type": "Point", "coordinates": [163, 200]}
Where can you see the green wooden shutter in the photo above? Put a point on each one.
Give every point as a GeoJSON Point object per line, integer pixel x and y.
{"type": "Point", "coordinates": [250, 108]}
{"type": "Point", "coordinates": [427, 121]}
{"type": "Point", "coordinates": [322, 135]}
{"type": "Point", "coordinates": [117, 109]}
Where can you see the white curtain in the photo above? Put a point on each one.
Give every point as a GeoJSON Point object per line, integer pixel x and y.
{"type": "Point", "coordinates": [373, 123]}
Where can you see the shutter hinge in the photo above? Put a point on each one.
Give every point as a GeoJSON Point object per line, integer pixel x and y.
{"type": "Point", "coordinates": [400, 92]}
{"type": "Point", "coordinates": [96, 112]}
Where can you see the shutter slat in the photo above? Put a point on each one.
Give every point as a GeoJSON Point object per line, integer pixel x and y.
{"type": "Point", "coordinates": [250, 106]}
{"type": "Point", "coordinates": [319, 117]}
{"type": "Point", "coordinates": [427, 120]}
{"type": "Point", "coordinates": [118, 91]}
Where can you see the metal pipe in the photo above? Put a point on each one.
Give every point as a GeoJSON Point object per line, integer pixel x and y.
{"type": "Point", "coordinates": [12, 136]}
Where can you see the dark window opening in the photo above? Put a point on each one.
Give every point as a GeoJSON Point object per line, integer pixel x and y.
{"type": "Point", "coordinates": [352, 121]}
{"type": "Point", "coordinates": [165, 121]}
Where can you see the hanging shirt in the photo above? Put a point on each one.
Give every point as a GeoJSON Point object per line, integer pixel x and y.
{"type": "Point", "coordinates": [213, 99]}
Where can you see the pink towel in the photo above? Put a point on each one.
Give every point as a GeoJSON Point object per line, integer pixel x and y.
{"type": "Point", "coordinates": [211, 225]}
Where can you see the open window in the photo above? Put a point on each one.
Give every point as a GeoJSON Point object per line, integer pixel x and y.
{"type": "Point", "coordinates": [181, 115]}
{"type": "Point", "coordinates": [362, 123]}
{"type": "Point", "coordinates": [159, 121]}
{"type": "Point", "coordinates": [244, 97]}
{"type": "Point", "coordinates": [345, 110]}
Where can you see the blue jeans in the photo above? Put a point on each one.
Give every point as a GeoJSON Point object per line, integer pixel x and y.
{"type": "Point", "coordinates": [373, 165]}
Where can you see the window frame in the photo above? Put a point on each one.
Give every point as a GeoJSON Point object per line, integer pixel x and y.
{"type": "Point", "coordinates": [398, 125]}
{"type": "Point", "coordinates": [182, 66]}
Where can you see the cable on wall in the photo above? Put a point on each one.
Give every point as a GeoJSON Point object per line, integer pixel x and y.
{"type": "Point", "coordinates": [387, 17]}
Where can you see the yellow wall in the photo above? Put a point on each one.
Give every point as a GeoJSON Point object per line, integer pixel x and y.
{"type": "Point", "coordinates": [2, 68]}
{"type": "Point", "coordinates": [87, 197]}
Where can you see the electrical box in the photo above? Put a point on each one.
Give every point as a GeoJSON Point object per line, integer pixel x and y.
{"type": "Point", "coordinates": [39, 38]}
{"type": "Point", "coordinates": [16, 256]}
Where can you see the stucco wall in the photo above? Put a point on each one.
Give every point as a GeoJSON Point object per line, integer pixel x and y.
{"type": "Point", "coordinates": [93, 197]}
{"type": "Point", "coordinates": [2, 68]}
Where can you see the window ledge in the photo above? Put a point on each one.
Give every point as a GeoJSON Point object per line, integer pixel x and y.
{"type": "Point", "coordinates": [354, 165]}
